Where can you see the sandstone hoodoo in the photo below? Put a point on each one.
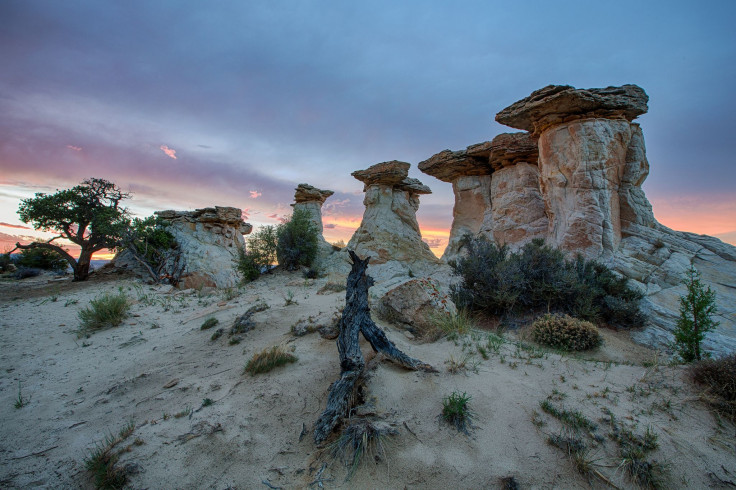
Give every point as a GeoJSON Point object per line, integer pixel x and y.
{"type": "Point", "coordinates": [311, 199]}
{"type": "Point", "coordinates": [496, 187]}
{"type": "Point", "coordinates": [389, 231]}
{"type": "Point", "coordinates": [588, 150]}
{"type": "Point", "coordinates": [209, 240]}
{"type": "Point", "coordinates": [469, 172]}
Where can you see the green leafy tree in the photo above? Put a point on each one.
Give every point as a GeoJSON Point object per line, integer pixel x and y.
{"type": "Point", "coordinates": [297, 241]}
{"type": "Point", "coordinates": [697, 308]}
{"type": "Point", "coordinates": [154, 248]}
{"type": "Point", "coordinates": [88, 214]}
{"type": "Point", "coordinates": [260, 253]}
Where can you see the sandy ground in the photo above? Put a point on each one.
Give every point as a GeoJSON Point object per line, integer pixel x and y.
{"type": "Point", "coordinates": [156, 369]}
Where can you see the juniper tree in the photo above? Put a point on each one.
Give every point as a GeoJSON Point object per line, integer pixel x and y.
{"type": "Point", "coordinates": [697, 308]}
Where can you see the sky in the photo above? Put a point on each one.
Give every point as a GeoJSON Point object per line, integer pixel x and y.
{"type": "Point", "coordinates": [193, 104]}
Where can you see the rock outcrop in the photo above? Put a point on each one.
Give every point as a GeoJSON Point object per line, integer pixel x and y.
{"type": "Point", "coordinates": [496, 187]}
{"type": "Point", "coordinates": [389, 232]}
{"type": "Point", "coordinates": [209, 240]}
{"type": "Point", "coordinates": [575, 179]}
{"type": "Point", "coordinates": [311, 199]}
{"type": "Point", "coordinates": [416, 304]}
{"type": "Point", "coordinates": [469, 172]}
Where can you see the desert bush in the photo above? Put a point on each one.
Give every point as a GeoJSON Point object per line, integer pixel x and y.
{"type": "Point", "coordinates": [360, 440]}
{"type": "Point", "coordinates": [209, 323]}
{"type": "Point", "coordinates": [565, 332]}
{"type": "Point", "coordinates": [297, 241]}
{"type": "Point", "coordinates": [456, 412]}
{"type": "Point", "coordinates": [310, 273]}
{"type": "Point", "coordinates": [260, 253]}
{"type": "Point", "coordinates": [538, 277]}
{"type": "Point", "coordinates": [269, 359]}
{"type": "Point", "coordinates": [25, 272]}
{"type": "Point", "coordinates": [6, 263]}
{"type": "Point", "coordinates": [108, 310]}
{"type": "Point", "coordinates": [719, 377]}
{"type": "Point", "coordinates": [42, 258]}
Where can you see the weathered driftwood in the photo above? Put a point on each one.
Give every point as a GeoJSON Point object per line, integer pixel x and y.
{"type": "Point", "coordinates": [356, 318]}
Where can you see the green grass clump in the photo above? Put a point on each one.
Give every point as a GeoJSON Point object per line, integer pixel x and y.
{"type": "Point", "coordinates": [572, 418]}
{"type": "Point", "coordinates": [565, 332]}
{"type": "Point", "coordinates": [108, 310]}
{"type": "Point", "coordinates": [102, 461]}
{"type": "Point", "coordinates": [455, 411]}
{"type": "Point", "coordinates": [209, 323]}
{"type": "Point", "coordinates": [455, 325]}
{"type": "Point", "coordinates": [269, 359]}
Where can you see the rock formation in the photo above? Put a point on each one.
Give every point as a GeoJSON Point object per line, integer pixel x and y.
{"type": "Point", "coordinates": [311, 199]}
{"type": "Point", "coordinates": [209, 240]}
{"type": "Point", "coordinates": [496, 186]}
{"type": "Point", "coordinates": [584, 140]}
{"type": "Point", "coordinates": [389, 231]}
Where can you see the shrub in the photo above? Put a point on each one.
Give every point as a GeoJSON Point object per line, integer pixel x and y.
{"type": "Point", "coordinates": [538, 277]}
{"type": "Point", "coordinates": [260, 253]}
{"type": "Point", "coordinates": [360, 440]}
{"type": "Point", "coordinates": [42, 258]}
{"type": "Point", "coordinates": [25, 272]}
{"type": "Point", "coordinates": [268, 359]}
{"type": "Point", "coordinates": [297, 241]}
{"type": "Point", "coordinates": [697, 308]}
{"type": "Point", "coordinates": [719, 376]}
{"type": "Point", "coordinates": [108, 310]}
{"type": "Point", "coordinates": [6, 263]}
{"type": "Point", "coordinates": [565, 332]}
{"type": "Point", "coordinates": [209, 323]}
{"type": "Point", "coordinates": [455, 411]}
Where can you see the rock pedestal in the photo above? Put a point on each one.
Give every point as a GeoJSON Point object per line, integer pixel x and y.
{"type": "Point", "coordinates": [584, 139]}
{"type": "Point", "coordinates": [209, 240]}
{"type": "Point", "coordinates": [389, 232]}
{"type": "Point", "coordinates": [311, 199]}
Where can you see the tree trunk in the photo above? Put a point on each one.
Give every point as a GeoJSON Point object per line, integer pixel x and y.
{"type": "Point", "coordinates": [356, 318]}
{"type": "Point", "coordinates": [81, 270]}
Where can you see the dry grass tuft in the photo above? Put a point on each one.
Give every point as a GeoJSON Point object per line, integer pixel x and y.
{"type": "Point", "coordinates": [269, 359]}
{"type": "Point", "coordinates": [719, 378]}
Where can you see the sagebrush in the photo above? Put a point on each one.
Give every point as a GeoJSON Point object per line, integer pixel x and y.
{"type": "Point", "coordinates": [269, 359]}
{"type": "Point", "coordinates": [496, 281]}
{"type": "Point", "coordinates": [297, 241]}
{"type": "Point", "coordinates": [565, 332]}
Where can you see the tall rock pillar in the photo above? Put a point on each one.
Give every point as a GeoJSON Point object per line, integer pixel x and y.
{"type": "Point", "coordinates": [587, 151]}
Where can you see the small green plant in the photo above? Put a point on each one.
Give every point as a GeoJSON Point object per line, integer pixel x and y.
{"type": "Point", "coordinates": [208, 402]}
{"type": "Point", "coordinates": [217, 334]}
{"type": "Point", "coordinates": [20, 402]}
{"type": "Point", "coordinates": [102, 461]}
{"type": "Point", "coordinates": [209, 323]}
{"type": "Point", "coordinates": [184, 413]}
{"type": "Point", "coordinates": [454, 325]}
{"type": "Point", "coordinates": [333, 285]}
{"type": "Point", "coordinates": [697, 308]}
{"type": "Point", "coordinates": [571, 418]}
{"type": "Point", "coordinates": [71, 302]}
{"type": "Point", "coordinates": [268, 359]}
{"type": "Point", "coordinates": [289, 298]}
{"type": "Point", "coordinates": [456, 412]}
{"type": "Point", "coordinates": [565, 332]}
{"type": "Point", "coordinates": [360, 440]}
{"type": "Point", "coordinates": [108, 310]}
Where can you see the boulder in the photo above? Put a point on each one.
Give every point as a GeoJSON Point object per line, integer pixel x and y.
{"type": "Point", "coordinates": [416, 305]}
{"type": "Point", "coordinates": [209, 240]}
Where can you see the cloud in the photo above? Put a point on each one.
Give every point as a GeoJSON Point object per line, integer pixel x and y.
{"type": "Point", "coordinates": [170, 152]}
{"type": "Point", "coordinates": [20, 227]}
{"type": "Point", "coordinates": [435, 242]}
{"type": "Point", "coordinates": [255, 194]}
{"type": "Point", "coordinates": [329, 226]}
{"type": "Point", "coordinates": [75, 148]}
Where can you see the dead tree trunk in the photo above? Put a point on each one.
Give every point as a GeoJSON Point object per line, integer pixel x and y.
{"type": "Point", "coordinates": [356, 318]}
